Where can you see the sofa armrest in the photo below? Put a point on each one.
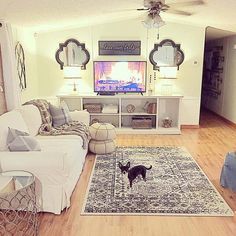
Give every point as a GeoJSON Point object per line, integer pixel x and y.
{"type": "Point", "coordinates": [38, 163]}
{"type": "Point", "coordinates": [81, 116]}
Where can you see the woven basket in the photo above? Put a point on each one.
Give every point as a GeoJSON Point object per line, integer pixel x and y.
{"type": "Point", "coordinates": [141, 122]}
{"type": "Point", "coordinates": [93, 107]}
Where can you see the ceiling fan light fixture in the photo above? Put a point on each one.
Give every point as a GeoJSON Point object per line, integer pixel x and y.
{"type": "Point", "coordinates": [148, 22]}
{"type": "Point", "coordinates": [158, 22]}
{"type": "Point", "coordinates": [158, 25]}
{"type": "Point", "coordinates": [153, 21]}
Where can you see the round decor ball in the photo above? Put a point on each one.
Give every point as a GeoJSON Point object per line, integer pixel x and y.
{"type": "Point", "coordinates": [130, 108]}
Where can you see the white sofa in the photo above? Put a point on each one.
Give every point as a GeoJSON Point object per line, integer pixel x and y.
{"type": "Point", "coordinates": [57, 166]}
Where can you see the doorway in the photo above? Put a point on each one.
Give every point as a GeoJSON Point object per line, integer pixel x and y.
{"type": "Point", "coordinates": [220, 47]}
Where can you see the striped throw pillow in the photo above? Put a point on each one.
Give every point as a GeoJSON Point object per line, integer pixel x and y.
{"type": "Point", "coordinates": [18, 141]}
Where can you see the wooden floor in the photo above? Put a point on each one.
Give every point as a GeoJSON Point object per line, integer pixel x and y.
{"type": "Point", "coordinates": [208, 145]}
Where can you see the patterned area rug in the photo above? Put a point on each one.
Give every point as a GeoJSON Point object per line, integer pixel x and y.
{"type": "Point", "coordinates": [174, 186]}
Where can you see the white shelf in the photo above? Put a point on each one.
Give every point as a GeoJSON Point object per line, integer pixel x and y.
{"type": "Point", "coordinates": [167, 106]}
{"type": "Point", "coordinates": [104, 114]}
{"type": "Point", "coordinates": [128, 130]}
{"type": "Point", "coordinates": [137, 114]}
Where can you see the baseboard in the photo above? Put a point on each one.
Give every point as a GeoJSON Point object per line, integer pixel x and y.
{"type": "Point", "coordinates": [228, 121]}
{"type": "Point", "coordinates": [190, 126]}
{"type": "Point", "coordinates": [219, 116]}
{"type": "Point", "coordinates": [223, 118]}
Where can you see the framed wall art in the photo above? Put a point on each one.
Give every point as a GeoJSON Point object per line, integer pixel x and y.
{"type": "Point", "coordinates": [20, 63]}
{"type": "Point", "coordinates": [116, 48]}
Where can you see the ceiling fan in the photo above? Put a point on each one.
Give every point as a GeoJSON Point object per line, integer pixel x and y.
{"type": "Point", "coordinates": [156, 7]}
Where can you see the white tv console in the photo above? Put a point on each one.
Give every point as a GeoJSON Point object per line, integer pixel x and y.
{"type": "Point", "coordinates": [167, 106]}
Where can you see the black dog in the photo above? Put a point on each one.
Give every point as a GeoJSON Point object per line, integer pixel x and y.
{"type": "Point", "coordinates": [134, 171]}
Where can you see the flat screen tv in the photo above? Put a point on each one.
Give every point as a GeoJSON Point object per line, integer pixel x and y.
{"type": "Point", "coordinates": [120, 76]}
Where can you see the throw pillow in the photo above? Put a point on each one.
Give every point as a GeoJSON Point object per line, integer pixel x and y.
{"type": "Point", "coordinates": [65, 106]}
{"type": "Point", "coordinates": [24, 143]}
{"type": "Point", "coordinates": [13, 133]}
{"type": "Point", "coordinates": [60, 115]}
{"type": "Point", "coordinates": [21, 141]}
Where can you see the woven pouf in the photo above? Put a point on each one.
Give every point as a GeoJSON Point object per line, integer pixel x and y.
{"type": "Point", "coordinates": [102, 131]}
{"type": "Point", "coordinates": [103, 135]}
{"type": "Point", "coordinates": [102, 147]}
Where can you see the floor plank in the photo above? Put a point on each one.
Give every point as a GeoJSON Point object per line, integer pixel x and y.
{"type": "Point", "coordinates": [208, 145]}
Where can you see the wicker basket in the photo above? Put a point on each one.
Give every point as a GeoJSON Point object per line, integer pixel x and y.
{"type": "Point", "coordinates": [141, 122]}
{"type": "Point", "coordinates": [93, 107]}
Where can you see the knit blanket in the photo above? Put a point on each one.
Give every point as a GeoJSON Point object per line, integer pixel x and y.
{"type": "Point", "coordinates": [46, 128]}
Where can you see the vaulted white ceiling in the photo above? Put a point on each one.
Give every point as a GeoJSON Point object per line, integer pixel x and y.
{"type": "Point", "coordinates": [44, 15]}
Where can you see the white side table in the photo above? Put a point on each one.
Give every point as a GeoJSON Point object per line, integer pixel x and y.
{"type": "Point", "coordinates": [18, 209]}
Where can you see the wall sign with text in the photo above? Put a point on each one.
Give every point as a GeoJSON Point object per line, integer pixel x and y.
{"type": "Point", "coordinates": [119, 47]}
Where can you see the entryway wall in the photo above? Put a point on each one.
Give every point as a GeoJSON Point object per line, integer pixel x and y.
{"type": "Point", "coordinates": [3, 107]}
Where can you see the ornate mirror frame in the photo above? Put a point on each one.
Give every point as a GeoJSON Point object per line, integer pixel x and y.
{"type": "Point", "coordinates": [65, 44]}
{"type": "Point", "coordinates": [178, 58]}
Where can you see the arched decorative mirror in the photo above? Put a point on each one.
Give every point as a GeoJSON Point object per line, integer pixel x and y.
{"type": "Point", "coordinates": [166, 54]}
{"type": "Point", "coordinates": [72, 53]}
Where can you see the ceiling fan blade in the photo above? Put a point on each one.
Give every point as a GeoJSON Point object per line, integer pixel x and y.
{"type": "Point", "coordinates": [119, 11]}
{"type": "Point", "coordinates": [185, 4]}
{"type": "Point", "coordinates": [184, 13]}
{"type": "Point", "coordinates": [142, 9]}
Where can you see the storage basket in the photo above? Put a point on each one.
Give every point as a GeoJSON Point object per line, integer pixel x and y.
{"type": "Point", "coordinates": [93, 107]}
{"type": "Point", "coordinates": [141, 122]}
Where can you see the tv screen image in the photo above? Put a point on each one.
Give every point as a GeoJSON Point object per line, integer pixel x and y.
{"type": "Point", "coordinates": [120, 76]}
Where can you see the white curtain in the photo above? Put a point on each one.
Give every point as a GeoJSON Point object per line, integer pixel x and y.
{"type": "Point", "coordinates": [11, 81]}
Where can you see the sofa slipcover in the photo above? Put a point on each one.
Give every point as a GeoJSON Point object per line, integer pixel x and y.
{"type": "Point", "coordinates": [57, 167]}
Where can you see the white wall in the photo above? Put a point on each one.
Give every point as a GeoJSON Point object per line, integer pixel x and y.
{"type": "Point", "coordinates": [229, 95]}
{"type": "Point", "coordinates": [51, 77]}
{"type": "Point", "coordinates": [189, 80]}
{"type": "Point", "coordinates": [27, 40]}
{"type": "Point", "coordinates": [225, 103]}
